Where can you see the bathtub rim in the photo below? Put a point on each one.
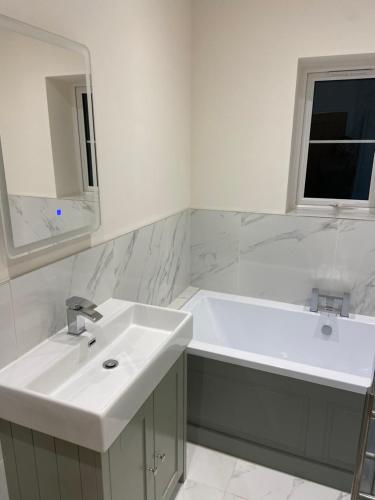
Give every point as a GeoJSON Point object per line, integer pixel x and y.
{"type": "Point", "coordinates": [299, 371]}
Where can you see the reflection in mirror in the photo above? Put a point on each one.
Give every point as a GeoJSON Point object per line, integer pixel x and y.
{"type": "Point", "coordinates": [48, 160]}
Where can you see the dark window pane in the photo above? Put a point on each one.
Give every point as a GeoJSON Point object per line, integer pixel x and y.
{"type": "Point", "coordinates": [86, 119]}
{"type": "Point", "coordinates": [339, 171]}
{"type": "Point", "coordinates": [343, 109]}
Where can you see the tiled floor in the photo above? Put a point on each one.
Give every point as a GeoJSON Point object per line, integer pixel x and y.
{"type": "Point", "coordinates": [215, 476]}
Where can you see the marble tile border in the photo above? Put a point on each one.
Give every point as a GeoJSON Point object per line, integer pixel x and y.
{"type": "Point", "coordinates": [185, 296]}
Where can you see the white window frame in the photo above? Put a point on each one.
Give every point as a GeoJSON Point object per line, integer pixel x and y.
{"type": "Point", "coordinates": [79, 90]}
{"type": "Point", "coordinates": [303, 202]}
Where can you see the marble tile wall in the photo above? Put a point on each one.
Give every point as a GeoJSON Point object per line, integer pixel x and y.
{"type": "Point", "coordinates": [150, 265]}
{"type": "Point", "coordinates": [282, 257]}
{"type": "Point", "coordinates": [8, 347]}
{"type": "Point", "coordinates": [273, 256]}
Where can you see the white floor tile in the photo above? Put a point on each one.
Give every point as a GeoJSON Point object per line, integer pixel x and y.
{"type": "Point", "coordinates": [305, 490]}
{"type": "Point", "coordinates": [190, 451]}
{"type": "Point", "coordinates": [229, 496]}
{"type": "Point", "coordinates": [209, 467]}
{"type": "Point", "coordinates": [195, 491]}
{"type": "Point", "coordinates": [216, 476]}
{"type": "Point", "coordinates": [254, 482]}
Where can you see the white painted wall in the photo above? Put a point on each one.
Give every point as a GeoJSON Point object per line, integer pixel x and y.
{"type": "Point", "coordinates": [140, 51]}
{"type": "Point", "coordinates": [245, 55]}
{"type": "Point", "coordinates": [24, 115]}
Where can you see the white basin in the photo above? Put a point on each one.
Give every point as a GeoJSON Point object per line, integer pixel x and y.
{"type": "Point", "coordinates": [62, 389]}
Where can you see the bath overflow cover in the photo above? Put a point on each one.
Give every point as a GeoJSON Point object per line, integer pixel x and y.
{"type": "Point", "coordinates": [327, 329]}
{"type": "Point", "coordinates": [110, 363]}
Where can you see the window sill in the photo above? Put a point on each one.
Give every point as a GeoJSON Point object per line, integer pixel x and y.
{"type": "Point", "coordinates": [355, 213]}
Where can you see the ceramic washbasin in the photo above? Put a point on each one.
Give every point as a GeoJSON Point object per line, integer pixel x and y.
{"type": "Point", "coordinates": [62, 389]}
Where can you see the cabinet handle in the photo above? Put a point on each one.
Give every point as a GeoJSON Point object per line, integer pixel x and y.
{"type": "Point", "coordinates": [161, 456]}
{"type": "Point", "coordinates": [154, 470]}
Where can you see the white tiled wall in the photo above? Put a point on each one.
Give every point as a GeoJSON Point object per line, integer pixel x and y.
{"type": "Point", "coordinates": [283, 257]}
{"type": "Point", "coordinates": [150, 265]}
{"type": "Point", "coordinates": [215, 250]}
{"type": "Point", "coordinates": [8, 346]}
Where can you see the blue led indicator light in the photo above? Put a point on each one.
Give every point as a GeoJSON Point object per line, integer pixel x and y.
{"type": "Point", "coordinates": [58, 211]}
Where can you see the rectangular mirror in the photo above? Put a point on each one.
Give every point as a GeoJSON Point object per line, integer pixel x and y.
{"type": "Point", "coordinates": [48, 175]}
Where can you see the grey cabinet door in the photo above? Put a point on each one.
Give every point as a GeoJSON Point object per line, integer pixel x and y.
{"type": "Point", "coordinates": [169, 430]}
{"type": "Point", "coordinates": [130, 456]}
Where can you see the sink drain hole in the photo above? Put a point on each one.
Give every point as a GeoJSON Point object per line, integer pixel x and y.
{"type": "Point", "coordinates": [327, 329]}
{"type": "Point", "coordinates": [109, 364]}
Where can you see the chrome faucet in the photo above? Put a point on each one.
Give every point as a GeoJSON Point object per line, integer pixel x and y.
{"type": "Point", "coordinates": [79, 308]}
{"type": "Point", "coordinates": [331, 303]}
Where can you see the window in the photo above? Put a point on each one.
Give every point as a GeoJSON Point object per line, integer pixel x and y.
{"type": "Point", "coordinates": [88, 162]}
{"type": "Point", "coordinates": [338, 140]}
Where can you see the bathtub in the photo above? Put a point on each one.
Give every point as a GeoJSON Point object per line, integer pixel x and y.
{"type": "Point", "coordinates": [284, 339]}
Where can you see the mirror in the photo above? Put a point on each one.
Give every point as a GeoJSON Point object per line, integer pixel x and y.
{"type": "Point", "coordinates": [49, 182]}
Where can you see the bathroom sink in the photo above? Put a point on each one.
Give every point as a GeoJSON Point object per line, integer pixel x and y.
{"type": "Point", "coordinates": [85, 389]}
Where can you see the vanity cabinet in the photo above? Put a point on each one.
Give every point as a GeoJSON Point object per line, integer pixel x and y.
{"type": "Point", "coordinates": [169, 432]}
{"type": "Point", "coordinates": [144, 463]}
{"type": "Point", "coordinates": [130, 457]}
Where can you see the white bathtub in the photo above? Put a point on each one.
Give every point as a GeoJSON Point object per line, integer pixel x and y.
{"type": "Point", "coordinates": [284, 339]}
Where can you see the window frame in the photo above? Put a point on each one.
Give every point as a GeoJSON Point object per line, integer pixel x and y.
{"type": "Point", "coordinates": [303, 202]}
{"type": "Point", "coordinates": [79, 90]}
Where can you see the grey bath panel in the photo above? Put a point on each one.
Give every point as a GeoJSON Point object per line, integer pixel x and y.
{"type": "Point", "coordinates": [298, 427]}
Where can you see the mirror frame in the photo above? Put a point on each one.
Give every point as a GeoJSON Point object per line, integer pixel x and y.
{"type": "Point", "coordinates": [60, 41]}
